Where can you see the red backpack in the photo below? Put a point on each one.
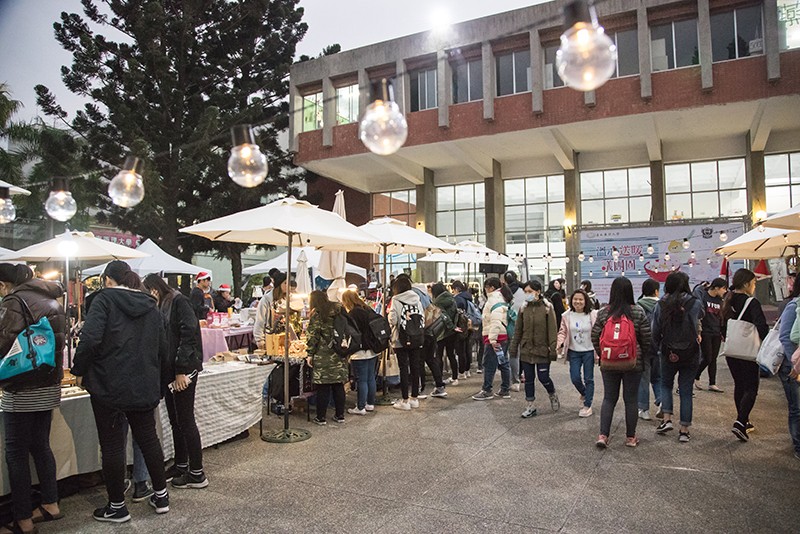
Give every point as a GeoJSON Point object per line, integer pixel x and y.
{"type": "Point", "coordinates": [618, 344]}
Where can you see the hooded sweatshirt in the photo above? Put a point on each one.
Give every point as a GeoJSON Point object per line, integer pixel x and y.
{"type": "Point", "coordinates": [495, 318]}
{"type": "Point", "coordinates": [122, 354]}
{"type": "Point", "coordinates": [447, 303]}
{"type": "Point", "coordinates": [407, 300]}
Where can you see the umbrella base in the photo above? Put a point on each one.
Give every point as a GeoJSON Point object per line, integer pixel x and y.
{"type": "Point", "coordinates": [286, 435]}
{"type": "Point", "coordinates": [385, 400]}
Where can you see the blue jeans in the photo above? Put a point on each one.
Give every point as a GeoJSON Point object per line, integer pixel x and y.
{"type": "Point", "coordinates": [686, 373]}
{"type": "Point", "coordinates": [490, 366]}
{"type": "Point", "coordinates": [365, 381]}
{"type": "Point", "coordinates": [585, 361]}
{"type": "Point", "coordinates": [650, 376]}
{"type": "Point", "coordinates": [792, 389]}
{"type": "Point", "coordinates": [542, 370]}
{"type": "Point", "coordinates": [140, 473]}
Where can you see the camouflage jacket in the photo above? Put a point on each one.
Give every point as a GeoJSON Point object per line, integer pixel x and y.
{"type": "Point", "coordinates": [328, 367]}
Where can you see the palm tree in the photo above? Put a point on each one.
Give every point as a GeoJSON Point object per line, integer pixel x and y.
{"type": "Point", "coordinates": [23, 137]}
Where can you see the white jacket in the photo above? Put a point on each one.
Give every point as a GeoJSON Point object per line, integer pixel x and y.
{"type": "Point", "coordinates": [263, 314]}
{"type": "Point", "coordinates": [494, 321]}
{"type": "Point", "coordinates": [409, 298]}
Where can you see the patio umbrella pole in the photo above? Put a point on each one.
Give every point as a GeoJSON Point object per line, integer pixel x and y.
{"type": "Point", "coordinates": [66, 313]}
{"type": "Point", "coordinates": [287, 435]}
{"type": "Point", "coordinates": [385, 399]}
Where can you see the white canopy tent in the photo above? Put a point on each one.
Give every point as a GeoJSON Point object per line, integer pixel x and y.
{"type": "Point", "coordinates": [14, 190]}
{"type": "Point", "coordinates": [762, 243]}
{"type": "Point", "coordinates": [158, 261]}
{"type": "Point", "coordinates": [313, 256]}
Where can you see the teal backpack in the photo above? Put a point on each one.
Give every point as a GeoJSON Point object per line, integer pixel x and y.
{"type": "Point", "coordinates": [511, 318]}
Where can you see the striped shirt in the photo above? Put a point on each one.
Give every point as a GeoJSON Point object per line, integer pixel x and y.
{"type": "Point", "coordinates": [32, 400]}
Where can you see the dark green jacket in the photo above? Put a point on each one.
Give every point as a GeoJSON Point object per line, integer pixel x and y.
{"type": "Point", "coordinates": [535, 333]}
{"type": "Point", "coordinates": [447, 303]}
{"type": "Point", "coordinates": [328, 367]}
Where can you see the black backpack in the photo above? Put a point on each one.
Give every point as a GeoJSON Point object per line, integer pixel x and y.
{"type": "Point", "coordinates": [462, 324]}
{"type": "Point", "coordinates": [379, 333]}
{"type": "Point", "coordinates": [346, 336]}
{"type": "Point", "coordinates": [411, 328]}
{"type": "Point", "coordinates": [679, 339]}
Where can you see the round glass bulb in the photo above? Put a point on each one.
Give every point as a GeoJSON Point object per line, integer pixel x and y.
{"type": "Point", "coordinates": [581, 256]}
{"type": "Point", "coordinates": [7, 211]}
{"type": "Point", "coordinates": [126, 189]}
{"type": "Point", "coordinates": [61, 206]}
{"type": "Point", "coordinates": [650, 249]}
{"type": "Point", "coordinates": [693, 255]}
{"type": "Point", "coordinates": [761, 228]}
{"type": "Point", "coordinates": [586, 58]}
{"type": "Point", "coordinates": [723, 236]}
{"type": "Point", "coordinates": [247, 166]}
{"type": "Point", "coordinates": [615, 254]}
{"type": "Point", "coordinates": [666, 256]}
{"type": "Point", "coordinates": [383, 130]}
{"type": "Point", "coordinates": [686, 244]}
{"type": "Point", "coordinates": [641, 257]}
{"type": "Point", "coordinates": [566, 259]}
{"type": "Point", "coordinates": [591, 259]}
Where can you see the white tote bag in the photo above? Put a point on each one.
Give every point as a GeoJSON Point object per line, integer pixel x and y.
{"type": "Point", "coordinates": [741, 339]}
{"type": "Point", "coordinates": [770, 355]}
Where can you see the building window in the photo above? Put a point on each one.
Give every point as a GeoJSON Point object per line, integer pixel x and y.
{"type": "Point", "coordinates": [513, 72]}
{"type": "Point", "coordinates": [534, 220]}
{"type": "Point", "coordinates": [736, 34]}
{"type": "Point", "coordinates": [674, 45]}
{"type": "Point", "coordinates": [617, 196]}
{"type": "Point", "coordinates": [788, 24]}
{"type": "Point", "coordinates": [706, 189]}
{"type": "Point", "coordinates": [782, 177]}
{"type": "Point", "coordinates": [400, 205]}
{"type": "Point", "coordinates": [347, 104]}
{"type": "Point", "coordinates": [460, 212]}
{"type": "Point", "coordinates": [312, 112]}
{"type": "Point", "coordinates": [467, 81]}
{"type": "Point", "coordinates": [551, 77]}
{"type": "Point", "coordinates": [423, 89]}
{"type": "Point", "coordinates": [627, 58]}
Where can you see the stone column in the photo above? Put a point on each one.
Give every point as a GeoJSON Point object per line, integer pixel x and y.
{"type": "Point", "coordinates": [444, 88]}
{"type": "Point", "coordinates": [658, 209]}
{"type": "Point", "coordinates": [328, 111]}
{"type": "Point", "coordinates": [537, 72]}
{"type": "Point", "coordinates": [645, 64]}
{"type": "Point", "coordinates": [495, 209]}
{"type": "Point", "coordinates": [771, 40]}
{"type": "Point", "coordinates": [572, 203]}
{"type": "Point", "coordinates": [706, 57]}
{"type": "Point", "coordinates": [755, 180]}
{"type": "Point", "coordinates": [426, 221]}
{"type": "Point", "coordinates": [487, 62]}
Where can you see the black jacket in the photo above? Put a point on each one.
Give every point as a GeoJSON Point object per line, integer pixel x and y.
{"type": "Point", "coordinates": [122, 354]}
{"type": "Point", "coordinates": [184, 341]}
{"type": "Point", "coordinates": [362, 316]}
{"type": "Point", "coordinates": [462, 298]}
{"type": "Point", "coordinates": [40, 297]}
{"type": "Point", "coordinates": [221, 304]}
{"type": "Point", "coordinates": [200, 304]}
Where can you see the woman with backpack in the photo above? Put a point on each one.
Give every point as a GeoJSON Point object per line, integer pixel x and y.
{"type": "Point", "coordinates": [447, 341]}
{"type": "Point", "coordinates": [620, 334]}
{"type": "Point", "coordinates": [495, 342]}
{"type": "Point", "coordinates": [363, 361]}
{"type": "Point", "coordinates": [791, 387]}
{"type": "Point", "coordinates": [29, 401]}
{"type": "Point", "coordinates": [553, 294]}
{"type": "Point", "coordinates": [185, 362]}
{"type": "Point", "coordinates": [407, 323]}
{"type": "Point", "coordinates": [575, 342]}
{"type": "Point", "coordinates": [740, 304]}
{"type": "Point", "coordinates": [534, 342]}
{"type": "Point", "coordinates": [677, 333]}
{"type": "Point", "coordinates": [464, 303]}
{"type": "Point", "coordinates": [329, 370]}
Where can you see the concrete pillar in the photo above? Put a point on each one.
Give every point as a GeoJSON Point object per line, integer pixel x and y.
{"type": "Point", "coordinates": [771, 40]}
{"type": "Point", "coordinates": [537, 70]}
{"type": "Point", "coordinates": [328, 111]}
{"type": "Point", "coordinates": [363, 91]}
{"type": "Point", "coordinates": [706, 58]}
{"type": "Point", "coordinates": [295, 116]}
{"type": "Point", "coordinates": [487, 62]}
{"type": "Point", "coordinates": [645, 64]}
{"type": "Point", "coordinates": [426, 221]}
{"type": "Point", "coordinates": [572, 203]}
{"type": "Point", "coordinates": [755, 181]}
{"type": "Point", "coordinates": [402, 91]}
{"type": "Point", "coordinates": [444, 88]}
{"type": "Point", "coordinates": [495, 209]}
{"type": "Point", "coordinates": [658, 196]}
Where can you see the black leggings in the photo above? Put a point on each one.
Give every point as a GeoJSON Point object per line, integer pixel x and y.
{"type": "Point", "coordinates": [324, 392]}
{"type": "Point", "coordinates": [464, 349]}
{"type": "Point", "coordinates": [745, 386]}
{"type": "Point", "coordinates": [630, 395]}
{"type": "Point", "coordinates": [111, 432]}
{"type": "Point", "coordinates": [434, 363]}
{"type": "Point", "coordinates": [449, 344]}
{"type": "Point", "coordinates": [409, 361]}
{"type": "Point", "coordinates": [709, 347]}
{"type": "Point", "coordinates": [185, 436]}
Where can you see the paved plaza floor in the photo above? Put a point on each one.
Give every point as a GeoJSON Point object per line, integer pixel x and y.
{"type": "Point", "coordinates": [457, 465]}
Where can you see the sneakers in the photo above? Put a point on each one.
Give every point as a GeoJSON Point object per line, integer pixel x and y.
{"type": "Point", "coordinates": [479, 371]}
{"type": "Point", "coordinates": [112, 515]}
{"type": "Point", "coordinates": [439, 392]}
{"type": "Point", "coordinates": [190, 481]}
{"type": "Point", "coordinates": [338, 419]}
{"type": "Point", "coordinates": [664, 427]}
{"type": "Point", "coordinates": [586, 411]}
{"type": "Point", "coordinates": [503, 394]}
{"type": "Point", "coordinates": [422, 396]}
{"type": "Point", "coordinates": [515, 387]}
{"type": "Point", "coordinates": [684, 437]}
{"type": "Point", "coordinates": [483, 395]}
{"type": "Point", "coordinates": [175, 471]}
{"type": "Point", "coordinates": [451, 382]}
{"type": "Point", "coordinates": [602, 442]}
{"type": "Point", "coordinates": [414, 403]}
{"type": "Point", "coordinates": [631, 442]}
{"type": "Point", "coordinates": [530, 411]}
{"type": "Point", "coordinates": [143, 490]}
{"type": "Point", "coordinates": [356, 411]}
{"type": "Point", "coordinates": [740, 431]}
{"type": "Point", "coordinates": [698, 385]}
{"type": "Point", "coordinates": [715, 389]}
{"type": "Point", "coordinates": [659, 412]}
{"type": "Point", "coordinates": [320, 422]}
{"type": "Point", "coordinates": [749, 428]}
{"type": "Point", "coordinates": [554, 403]}
{"type": "Point", "coordinates": [161, 504]}
{"type": "Point", "coordinates": [462, 376]}
{"type": "Point", "coordinates": [402, 405]}
{"type": "Point", "coordinates": [645, 415]}
{"type": "Point", "coordinates": [370, 407]}
{"type": "Point", "coordinates": [468, 374]}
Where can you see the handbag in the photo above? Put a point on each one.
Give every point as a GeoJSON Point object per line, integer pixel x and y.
{"type": "Point", "coordinates": [434, 322]}
{"type": "Point", "coordinates": [770, 355]}
{"type": "Point", "coordinates": [389, 365]}
{"type": "Point", "coordinates": [33, 351]}
{"type": "Point", "coordinates": [741, 339]}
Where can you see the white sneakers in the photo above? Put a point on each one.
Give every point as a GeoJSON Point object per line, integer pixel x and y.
{"type": "Point", "coordinates": [413, 402]}
{"type": "Point", "coordinates": [586, 411]}
{"type": "Point", "coordinates": [356, 411]}
{"type": "Point", "coordinates": [515, 387]}
{"type": "Point", "coordinates": [462, 376]}
{"type": "Point", "coordinates": [369, 407]}
{"type": "Point", "coordinates": [402, 405]}
{"type": "Point", "coordinates": [645, 415]}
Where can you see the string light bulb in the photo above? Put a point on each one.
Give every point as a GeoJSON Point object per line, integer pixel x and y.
{"type": "Point", "coordinates": [666, 256]}
{"type": "Point", "coordinates": [591, 259]}
{"type": "Point", "coordinates": [384, 129]}
{"type": "Point", "coordinates": [785, 238]}
{"type": "Point", "coordinates": [587, 57]}
{"type": "Point", "coordinates": [693, 255]}
{"type": "Point", "coordinates": [614, 253]}
{"type": "Point", "coordinates": [590, 274]}
{"type": "Point", "coordinates": [548, 258]}
{"type": "Point", "coordinates": [761, 228]}
{"type": "Point", "coordinates": [686, 244]}
{"type": "Point", "coordinates": [581, 256]}
{"type": "Point", "coordinates": [428, 253]}
{"type": "Point", "coordinates": [7, 210]}
{"type": "Point", "coordinates": [650, 248]}
{"type": "Point", "coordinates": [723, 236]}
{"type": "Point", "coordinates": [247, 166]}
{"type": "Point", "coordinates": [606, 273]}
{"type": "Point", "coordinates": [127, 188]}
{"type": "Point", "coordinates": [708, 261]}
{"type": "Point", "coordinates": [566, 259]}
{"type": "Point", "coordinates": [60, 205]}
{"type": "Point", "coordinates": [641, 257]}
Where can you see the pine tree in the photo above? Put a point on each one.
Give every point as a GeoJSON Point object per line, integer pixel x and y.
{"type": "Point", "coordinates": [165, 81]}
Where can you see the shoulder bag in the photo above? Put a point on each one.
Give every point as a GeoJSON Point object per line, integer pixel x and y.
{"type": "Point", "coordinates": [33, 351]}
{"type": "Point", "coordinates": [741, 338]}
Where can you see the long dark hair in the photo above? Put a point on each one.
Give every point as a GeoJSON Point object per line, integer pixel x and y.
{"type": "Point", "coordinates": [675, 286]}
{"type": "Point", "coordinates": [621, 298]}
{"type": "Point", "coordinates": [741, 278]}
{"type": "Point", "coordinates": [508, 296]}
{"type": "Point", "coordinates": [153, 282]}
{"type": "Point", "coordinates": [19, 274]}
{"type": "Point", "coordinates": [587, 306]}
{"type": "Point", "coordinates": [318, 302]}
{"type": "Point", "coordinates": [121, 273]}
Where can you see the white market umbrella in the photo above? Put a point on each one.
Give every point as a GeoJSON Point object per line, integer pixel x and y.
{"type": "Point", "coordinates": [787, 219]}
{"type": "Point", "coordinates": [288, 222]}
{"type": "Point", "coordinates": [762, 243]}
{"type": "Point", "coordinates": [313, 255]}
{"type": "Point", "coordinates": [158, 261]}
{"type": "Point", "coordinates": [333, 262]}
{"type": "Point", "coordinates": [303, 280]}
{"type": "Point", "coordinates": [14, 190]}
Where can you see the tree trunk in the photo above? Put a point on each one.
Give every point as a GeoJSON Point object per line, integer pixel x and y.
{"type": "Point", "coordinates": [236, 270]}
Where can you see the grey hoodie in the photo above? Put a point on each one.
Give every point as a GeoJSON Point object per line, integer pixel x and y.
{"type": "Point", "coordinates": [409, 299]}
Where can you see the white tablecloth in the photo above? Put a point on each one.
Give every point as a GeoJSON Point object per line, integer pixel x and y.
{"type": "Point", "coordinates": [227, 402]}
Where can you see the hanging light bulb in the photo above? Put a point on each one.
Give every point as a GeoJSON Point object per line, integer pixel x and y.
{"type": "Point", "coordinates": [574, 273]}
{"type": "Point", "coordinates": [486, 257]}
{"type": "Point", "coordinates": [623, 273]}
{"type": "Point", "coordinates": [127, 188]}
{"type": "Point", "coordinates": [591, 259]}
{"type": "Point", "coordinates": [606, 273]}
{"type": "Point", "coordinates": [566, 259]}
{"type": "Point", "coordinates": [639, 271]}
{"type": "Point", "coordinates": [549, 257]}
{"type": "Point", "coordinates": [785, 238]}
{"type": "Point", "coordinates": [723, 236]}
{"type": "Point", "coordinates": [247, 166]}
{"type": "Point", "coordinates": [458, 254]}
{"type": "Point", "coordinates": [60, 205]}
{"type": "Point", "coordinates": [666, 256]}
{"type": "Point", "coordinates": [586, 58]}
{"type": "Point", "coordinates": [614, 253]}
{"type": "Point", "coordinates": [384, 129]}
{"type": "Point", "coordinates": [7, 210]}
{"type": "Point", "coordinates": [581, 256]}
{"type": "Point", "coordinates": [590, 274]}
{"type": "Point", "coordinates": [641, 257]}
{"type": "Point", "coordinates": [693, 255]}
{"type": "Point", "coordinates": [691, 264]}
{"type": "Point", "coordinates": [650, 248]}
{"type": "Point", "coordinates": [402, 249]}
{"type": "Point", "coordinates": [686, 244]}
{"type": "Point", "coordinates": [708, 261]}
{"type": "Point", "coordinates": [428, 252]}
{"type": "Point", "coordinates": [761, 228]}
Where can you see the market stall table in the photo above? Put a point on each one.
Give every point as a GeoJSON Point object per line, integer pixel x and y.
{"type": "Point", "coordinates": [216, 340]}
